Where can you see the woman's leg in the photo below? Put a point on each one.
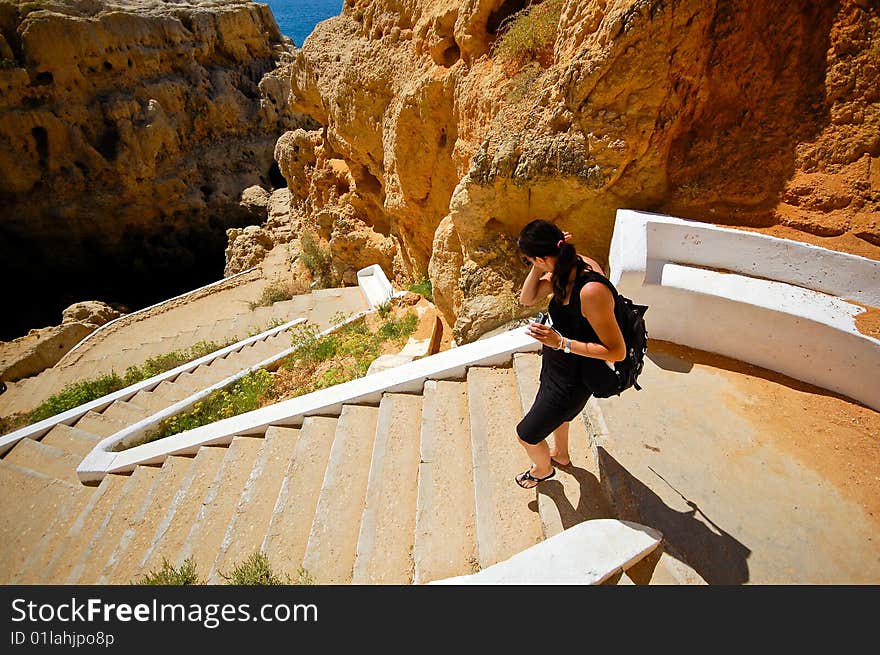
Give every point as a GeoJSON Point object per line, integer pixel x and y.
{"type": "Point", "coordinates": [539, 453]}
{"type": "Point", "coordinates": [559, 450]}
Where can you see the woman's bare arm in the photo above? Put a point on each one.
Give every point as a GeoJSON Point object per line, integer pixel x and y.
{"type": "Point", "coordinates": [597, 306]}
{"type": "Point", "coordinates": [535, 288]}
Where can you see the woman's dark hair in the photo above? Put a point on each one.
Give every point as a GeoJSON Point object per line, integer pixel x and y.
{"type": "Point", "coordinates": [542, 238]}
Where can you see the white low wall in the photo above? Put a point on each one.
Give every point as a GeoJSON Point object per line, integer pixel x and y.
{"type": "Point", "coordinates": [779, 304]}
{"type": "Point", "coordinates": [587, 553]}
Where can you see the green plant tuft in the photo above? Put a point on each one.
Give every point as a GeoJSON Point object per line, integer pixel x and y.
{"type": "Point", "coordinates": [271, 294]}
{"type": "Point", "coordinates": [168, 575]}
{"type": "Point", "coordinates": [241, 396]}
{"type": "Point", "coordinates": [529, 35]}
{"type": "Point", "coordinates": [318, 260]}
{"type": "Point", "coordinates": [76, 394]}
{"type": "Point", "coordinates": [255, 570]}
{"type": "Point", "coordinates": [424, 288]}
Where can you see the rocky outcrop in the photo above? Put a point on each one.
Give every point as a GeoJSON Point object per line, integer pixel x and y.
{"type": "Point", "coordinates": [450, 138]}
{"type": "Point", "coordinates": [42, 348]}
{"type": "Point", "coordinates": [128, 130]}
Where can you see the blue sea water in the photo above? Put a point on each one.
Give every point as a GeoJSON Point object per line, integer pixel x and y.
{"type": "Point", "coordinates": [297, 18]}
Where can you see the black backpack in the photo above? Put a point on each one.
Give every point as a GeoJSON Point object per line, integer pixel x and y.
{"type": "Point", "coordinates": [631, 319]}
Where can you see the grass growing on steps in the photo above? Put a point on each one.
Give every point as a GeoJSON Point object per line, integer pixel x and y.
{"type": "Point", "coordinates": [321, 361]}
{"type": "Point", "coordinates": [169, 575]}
{"type": "Point", "coordinates": [79, 393]}
{"type": "Point", "coordinates": [241, 396]}
{"type": "Point", "coordinates": [255, 570]}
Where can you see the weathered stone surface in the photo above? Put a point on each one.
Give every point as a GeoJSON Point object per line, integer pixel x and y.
{"type": "Point", "coordinates": [89, 312]}
{"type": "Point", "coordinates": [451, 149]}
{"type": "Point", "coordinates": [247, 247]}
{"type": "Point", "coordinates": [40, 349]}
{"type": "Point", "coordinates": [128, 130]}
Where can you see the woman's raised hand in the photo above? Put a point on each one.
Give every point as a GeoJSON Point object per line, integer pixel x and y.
{"type": "Point", "coordinates": [566, 236]}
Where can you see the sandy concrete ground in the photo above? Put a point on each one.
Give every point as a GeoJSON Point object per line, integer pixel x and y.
{"type": "Point", "coordinates": [752, 477]}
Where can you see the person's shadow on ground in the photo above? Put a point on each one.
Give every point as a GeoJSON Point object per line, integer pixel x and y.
{"type": "Point", "coordinates": [591, 504]}
{"type": "Point", "coordinates": [698, 542]}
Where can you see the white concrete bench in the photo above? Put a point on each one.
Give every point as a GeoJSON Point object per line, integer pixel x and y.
{"type": "Point", "coordinates": [783, 305]}
{"type": "Point", "coordinates": [588, 553]}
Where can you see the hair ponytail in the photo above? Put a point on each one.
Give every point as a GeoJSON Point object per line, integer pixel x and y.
{"type": "Point", "coordinates": [542, 238]}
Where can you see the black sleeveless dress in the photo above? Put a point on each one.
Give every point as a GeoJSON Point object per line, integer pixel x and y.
{"type": "Point", "coordinates": [564, 390]}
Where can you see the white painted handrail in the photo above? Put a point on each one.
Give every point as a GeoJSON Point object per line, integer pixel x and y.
{"type": "Point", "coordinates": [140, 429]}
{"type": "Point", "coordinates": [407, 378]}
{"type": "Point", "coordinates": [37, 430]}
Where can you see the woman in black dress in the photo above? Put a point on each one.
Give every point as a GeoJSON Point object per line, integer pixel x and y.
{"type": "Point", "coordinates": [583, 337]}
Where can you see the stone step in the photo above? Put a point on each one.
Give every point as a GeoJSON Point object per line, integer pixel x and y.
{"type": "Point", "coordinates": [506, 524]}
{"type": "Point", "coordinates": [45, 459]}
{"type": "Point", "coordinates": [387, 528]}
{"type": "Point", "coordinates": [288, 531]}
{"type": "Point", "coordinates": [91, 562]}
{"type": "Point", "coordinates": [30, 508]}
{"type": "Point", "coordinates": [332, 544]}
{"type": "Point", "coordinates": [126, 412]}
{"type": "Point", "coordinates": [578, 496]}
{"type": "Point", "coordinates": [123, 565]}
{"type": "Point", "coordinates": [171, 392]}
{"type": "Point", "coordinates": [42, 550]}
{"type": "Point", "coordinates": [207, 332]}
{"type": "Point", "coordinates": [253, 512]}
{"type": "Point", "coordinates": [189, 383]}
{"type": "Point", "coordinates": [206, 535]}
{"type": "Point", "coordinates": [71, 545]}
{"type": "Point", "coordinates": [287, 310]}
{"type": "Point", "coordinates": [329, 302]}
{"type": "Point", "coordinates": [150, 400]}
{"type": "Point", "coordinates": [98, 424]}
{"type": "Point", "coordinates": [445, 531]}
{"type": "Point", "coordinates": [70, 440]}
{"type": "Point", "coordinates": [175, 526]}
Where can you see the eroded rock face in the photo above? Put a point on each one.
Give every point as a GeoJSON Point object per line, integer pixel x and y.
{"type": "Point", "coordinates": [737, 112]}
{"type": "Point", "coordinates": [128, 130]}
{"type": "Point", "coordinates": [89, 312]}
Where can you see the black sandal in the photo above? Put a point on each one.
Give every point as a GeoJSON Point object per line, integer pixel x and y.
{"type": "Point", "coordinates": [527, 475]}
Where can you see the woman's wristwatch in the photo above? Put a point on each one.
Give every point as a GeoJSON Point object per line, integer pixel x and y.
{"type": "Point", "coordinates": [564, 344]}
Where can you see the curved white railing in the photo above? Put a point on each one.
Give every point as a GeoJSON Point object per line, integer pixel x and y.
{"type": "Point", "coordinates": [784, 305]}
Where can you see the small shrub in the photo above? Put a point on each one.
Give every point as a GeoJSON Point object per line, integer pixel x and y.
{"type": "Point", "coordinates": [399, 329]}
{"type": "Point", "coordinates": [318, 260]}
{"type": "Point", "coordinates": [529, 35]}
{"type": "Point", "coordinates": [168, 575]}
{"type": "Point", "coordinates": [273, 293]}
{"type": "Point", "coordinates": [303, 577]}
{"type": "Point", "coordinates": [384, 309]}
{"type": "Point", "coordinates": [255, 570]}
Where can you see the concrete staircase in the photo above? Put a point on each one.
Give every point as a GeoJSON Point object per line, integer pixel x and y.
{"type": "Point", "coordinates": [175, 329]}
{"type": "Point", "coordinates": [416, 489]}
